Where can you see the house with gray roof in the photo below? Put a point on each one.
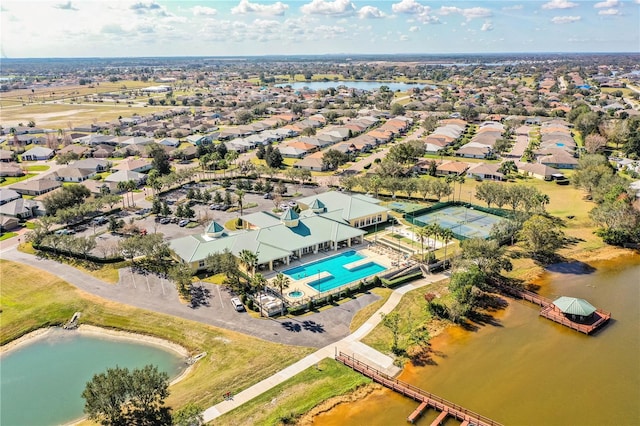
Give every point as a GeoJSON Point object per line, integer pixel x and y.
{"type": "Point", "coordinates": [358, 212]}
{"type": "Point", "coordinates": [22, 208]}
{"type": "Point", "coordinates": [36, 187]}
{"type": "Point", "coordinates": [38, 153]}
{"type": "Point", "coordinates": [8, 195]}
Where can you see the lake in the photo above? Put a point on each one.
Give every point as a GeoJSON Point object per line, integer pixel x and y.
{"type": "Point", "coordinates": [42, 382]}
{"type": "Point", "coordinates": [527, 369]}
{"type": "Point", "coordinates": [360, 85]}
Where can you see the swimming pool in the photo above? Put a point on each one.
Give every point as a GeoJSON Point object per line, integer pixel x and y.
{"type": "Point", "coordinates": [332, 272]}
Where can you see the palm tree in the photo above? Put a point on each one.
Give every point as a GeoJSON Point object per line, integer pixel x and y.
{"type": "Point", "coordinates": [249, 259]}
{"type": "Point", "coordinates": [281, 281]}
{"type": "Point", "coordinates": [447, 235]}
{"type": "Point", "coordinates": [422, 235]}
{"type": "Point", "coordinates": [240, 194]}
{"type": "Point", "coordinates": [122, 186]}
{"type": "Point", "coordinates": [131, 186]}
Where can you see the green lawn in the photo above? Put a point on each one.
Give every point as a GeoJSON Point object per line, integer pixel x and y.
{"type": "Point", "coordinates": [289, 400]}
{"type": "Point", "coordinates": [37, 168]}
{"type": "Point", "coordinates": [12, 180]}
{"type": "Point", "coordinates": [32, 298]}
{"type": "Point", "coordinates": [7, 235]}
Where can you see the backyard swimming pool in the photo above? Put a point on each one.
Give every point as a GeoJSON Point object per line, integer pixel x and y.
{"type": "Point", "coordinates": [335, 271]}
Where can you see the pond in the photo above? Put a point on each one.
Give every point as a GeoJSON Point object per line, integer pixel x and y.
{"type": "Point", "coordinates": [42, 381]}
{"type": "Point", "coordinates": [360, 85]}
{"type": "Point", "coordinates": [527, 369]}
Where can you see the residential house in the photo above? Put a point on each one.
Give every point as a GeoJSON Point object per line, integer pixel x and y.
{"type": "Point", "coordinates": [133, 164]}
{"type": "Point", "coordinates": [482, 171]}
{"type": "Point", "coordinates": [474, 150]}
{"type": "Point", "coordinates": [8, 223]}
{"type": "Point", "coordinates": [536, 170]}
{"type": "Point", "coordinates": [311, 162]}
{"type": "Point", "coordinates": [455, 168]}
{"type": "Point", "coordinates": [126, 176]}
{"type": "Point", "coordinates": [95, 164]}
{"type": "Point", "coordinates": [73, 174]}
{"type": "Point", "coordinates": [80, 151]}
{"type": "Point", "coordinates": [36, 187]}
{"type": "Point", "coordinates": [10, 170]}
{"type": "Point", "coordinates": [37, 154]}
{"type": "Point", "coordinates": [6, 156]}
{"type": "Point", "coordinates": [7, 195]}
{"type": "Point", "coordinates": [22, 208]}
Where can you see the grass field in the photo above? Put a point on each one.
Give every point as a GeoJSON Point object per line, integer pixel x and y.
{"type": "Point", "coordinates": [12, 180]}
{"type": "Point", "coordinates": [37, 168]}
{"type": "Point", "coordinates": [234, 361]}
{"type": "Point", "coordinates": [287, 401]}
{"type": "Point", "coordinates": [7, 235]}
{"type": "Point", "coordinates": [59, 116]}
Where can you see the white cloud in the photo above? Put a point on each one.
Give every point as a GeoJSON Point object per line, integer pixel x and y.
{"type": "Point", "coordinates": [559, 4]}
{"type": "Point", "coordinates": [418, 11]}
{"type": "Point", "coordinates": [565, 19]}
{"type": "Point", "coordinates": [469, 14]}
{"type": "Point", "coordinates": [409, 6]}
{"type": "Point", "coordinates": [514, 7]}
{"type": "Point", "coordinates": [487, 26]}
{"type": "Point", "coordinates": [66, 6]}
{"type": "Point", "coordinates": [404, 37]}
{"type": "Point", "coordinates": [609, 12]}
{"type": "Point", "coordinates": [245, 6]}
{"type": "Point", "coordinates": [143, 7]}
{"type": "Point", "coordinates": [203, 11]}
{"type": "Point", "coordinates": [414, 29]}
{"type": "Point", "coordinates": [607, 4]}
{"type": "Point", "coordinates": [325, 7]}
{"type": "Point", "coordinates": [371, 12]}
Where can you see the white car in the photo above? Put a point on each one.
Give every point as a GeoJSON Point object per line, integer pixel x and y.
{"type": "Point", "coordinates": [237, 304]}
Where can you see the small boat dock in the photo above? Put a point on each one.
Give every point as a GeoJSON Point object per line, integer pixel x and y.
{"type": "Point", "coordinates": [427, 400]}
{"type": "Point", "coordinates": [549, 311]}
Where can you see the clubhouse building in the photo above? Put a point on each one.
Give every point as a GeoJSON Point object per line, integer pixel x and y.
{"type": "Point", "coordinates": [327, 222]}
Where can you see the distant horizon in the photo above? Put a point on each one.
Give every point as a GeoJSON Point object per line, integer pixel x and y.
{"type": "Point", "coordinates": [336, 55]}
{"type": "Point", "coordinates": [248, 28]}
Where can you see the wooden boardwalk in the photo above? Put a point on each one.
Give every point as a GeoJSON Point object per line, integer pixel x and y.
{"type": "Point", "coordinates": [548, 312]}
{"type": "Point", "coordinates": [427, 400]}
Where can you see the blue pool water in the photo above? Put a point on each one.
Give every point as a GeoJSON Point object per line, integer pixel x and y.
{"type": "Point", "coordinates": [335, 266]}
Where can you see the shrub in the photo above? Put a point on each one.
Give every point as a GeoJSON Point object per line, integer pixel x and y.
{"type": "Point", "coordinates": [310, 305]}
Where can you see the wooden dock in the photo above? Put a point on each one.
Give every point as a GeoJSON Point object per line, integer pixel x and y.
{"type": "Point", "coordinates": [547, 311]}
{"type": "Point", "coordinates": [427, 400]}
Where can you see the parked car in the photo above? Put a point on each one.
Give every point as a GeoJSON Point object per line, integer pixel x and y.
{"type": "Point", "coordinates": [225, 207]}
{"type": "Point", "coordinates": [183, 223]}
{"type": "Point", "coordinates": [237, 304]}
{"type": "Point", "coordinates": [65, 232]}
{"type": "Point", "coordinates": [214, 207]}
{"type": "Point", "coordinates": [165, 220]}
{"type": "Point", "coordinates": [267, 196]}
{"type": "Point", "coordinates": [100, 220]}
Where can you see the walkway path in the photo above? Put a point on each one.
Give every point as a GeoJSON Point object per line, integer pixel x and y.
{"type": "Point", "coordinates": [350, 345]}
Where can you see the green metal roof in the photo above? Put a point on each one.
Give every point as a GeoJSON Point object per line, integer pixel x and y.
{"type": "Point", "coordinates": [289, 214]}
{"type": "Point", "coordinates": [574, 306]}
{"type": "Point", "coordinates": [214, 228]}
{"type": "Point", "coordinates": [351, 207]}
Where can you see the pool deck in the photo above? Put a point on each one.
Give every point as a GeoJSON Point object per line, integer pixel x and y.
{"type": "Point", "coordinates": [302, 284]}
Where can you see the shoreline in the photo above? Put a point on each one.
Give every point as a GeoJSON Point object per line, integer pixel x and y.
{"type": "Point", "coordinates": [607, 253]}
{"type": "Point", "coordinates": [92, 330]}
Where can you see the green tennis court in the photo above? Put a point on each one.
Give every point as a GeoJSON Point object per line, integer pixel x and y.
{"type": "Point", "coordinates": [464, 221]}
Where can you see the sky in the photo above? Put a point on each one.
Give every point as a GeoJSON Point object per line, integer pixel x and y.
{"type": "Point", "coordinates": [130, 28]}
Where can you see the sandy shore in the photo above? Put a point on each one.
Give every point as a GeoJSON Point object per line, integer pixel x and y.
{"type": "Point", "coordinates": [91, 330]}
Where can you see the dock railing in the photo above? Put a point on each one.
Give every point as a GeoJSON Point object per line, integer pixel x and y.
{"type": "Point", "coordinates": [414, 392]}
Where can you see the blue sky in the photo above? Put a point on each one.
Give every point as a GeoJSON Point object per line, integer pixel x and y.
{"type": "Point", "coordinates": [88, 28]}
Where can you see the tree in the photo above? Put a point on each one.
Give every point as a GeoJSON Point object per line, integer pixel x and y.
{"type": "Point", "coordinates": [397, 109]}
{"type": "Point", "coordinates": [392, 322]}
{"type": "Point", "coordinates": [541, 236]}
{"type": "Point", "coordinates": [332, 159]}
{"type": "Point", "coordinates": [422, 235]}
{"type": "Point", "coordinates": [487, 192]}
{"type": "Point", "coordinates": [281, 281]}
{"type": "Point", "coordinates": [240, 198]}
{"type": "Point", "coordinates": [508, 167]}
{"type": "Point", "coordinates": [120, 396]}
{"type": "Point", "coordinates": [594, 143]}
{"type": "Point", "coordinates": [159, 159]}
{"type": "Point", "coordinates": [182, 275]}
{"type": "Point", "coordinates": [68, 196]}
{"type": "Point", "coordinates": [249, 259]}
{"type": "Point", "coordinates": [189, 415]}
{"type": "Point", "coordinates": [487, 255]}
{"type": "Point", "coordinates": [447, 235]}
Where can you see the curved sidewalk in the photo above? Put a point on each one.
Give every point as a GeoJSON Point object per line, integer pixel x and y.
{"type": "Point", "coordinates": [350, 344]}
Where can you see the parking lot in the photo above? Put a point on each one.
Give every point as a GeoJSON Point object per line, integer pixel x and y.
{"type": "Point", "coordinates": [141, 217]}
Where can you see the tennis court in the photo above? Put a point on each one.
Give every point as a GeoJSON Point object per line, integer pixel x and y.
{"type": "Point", "coordinates": [464, 221]}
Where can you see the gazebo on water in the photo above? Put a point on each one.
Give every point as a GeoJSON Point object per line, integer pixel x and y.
{"type": "Point", "coordinates": [574, 309]}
